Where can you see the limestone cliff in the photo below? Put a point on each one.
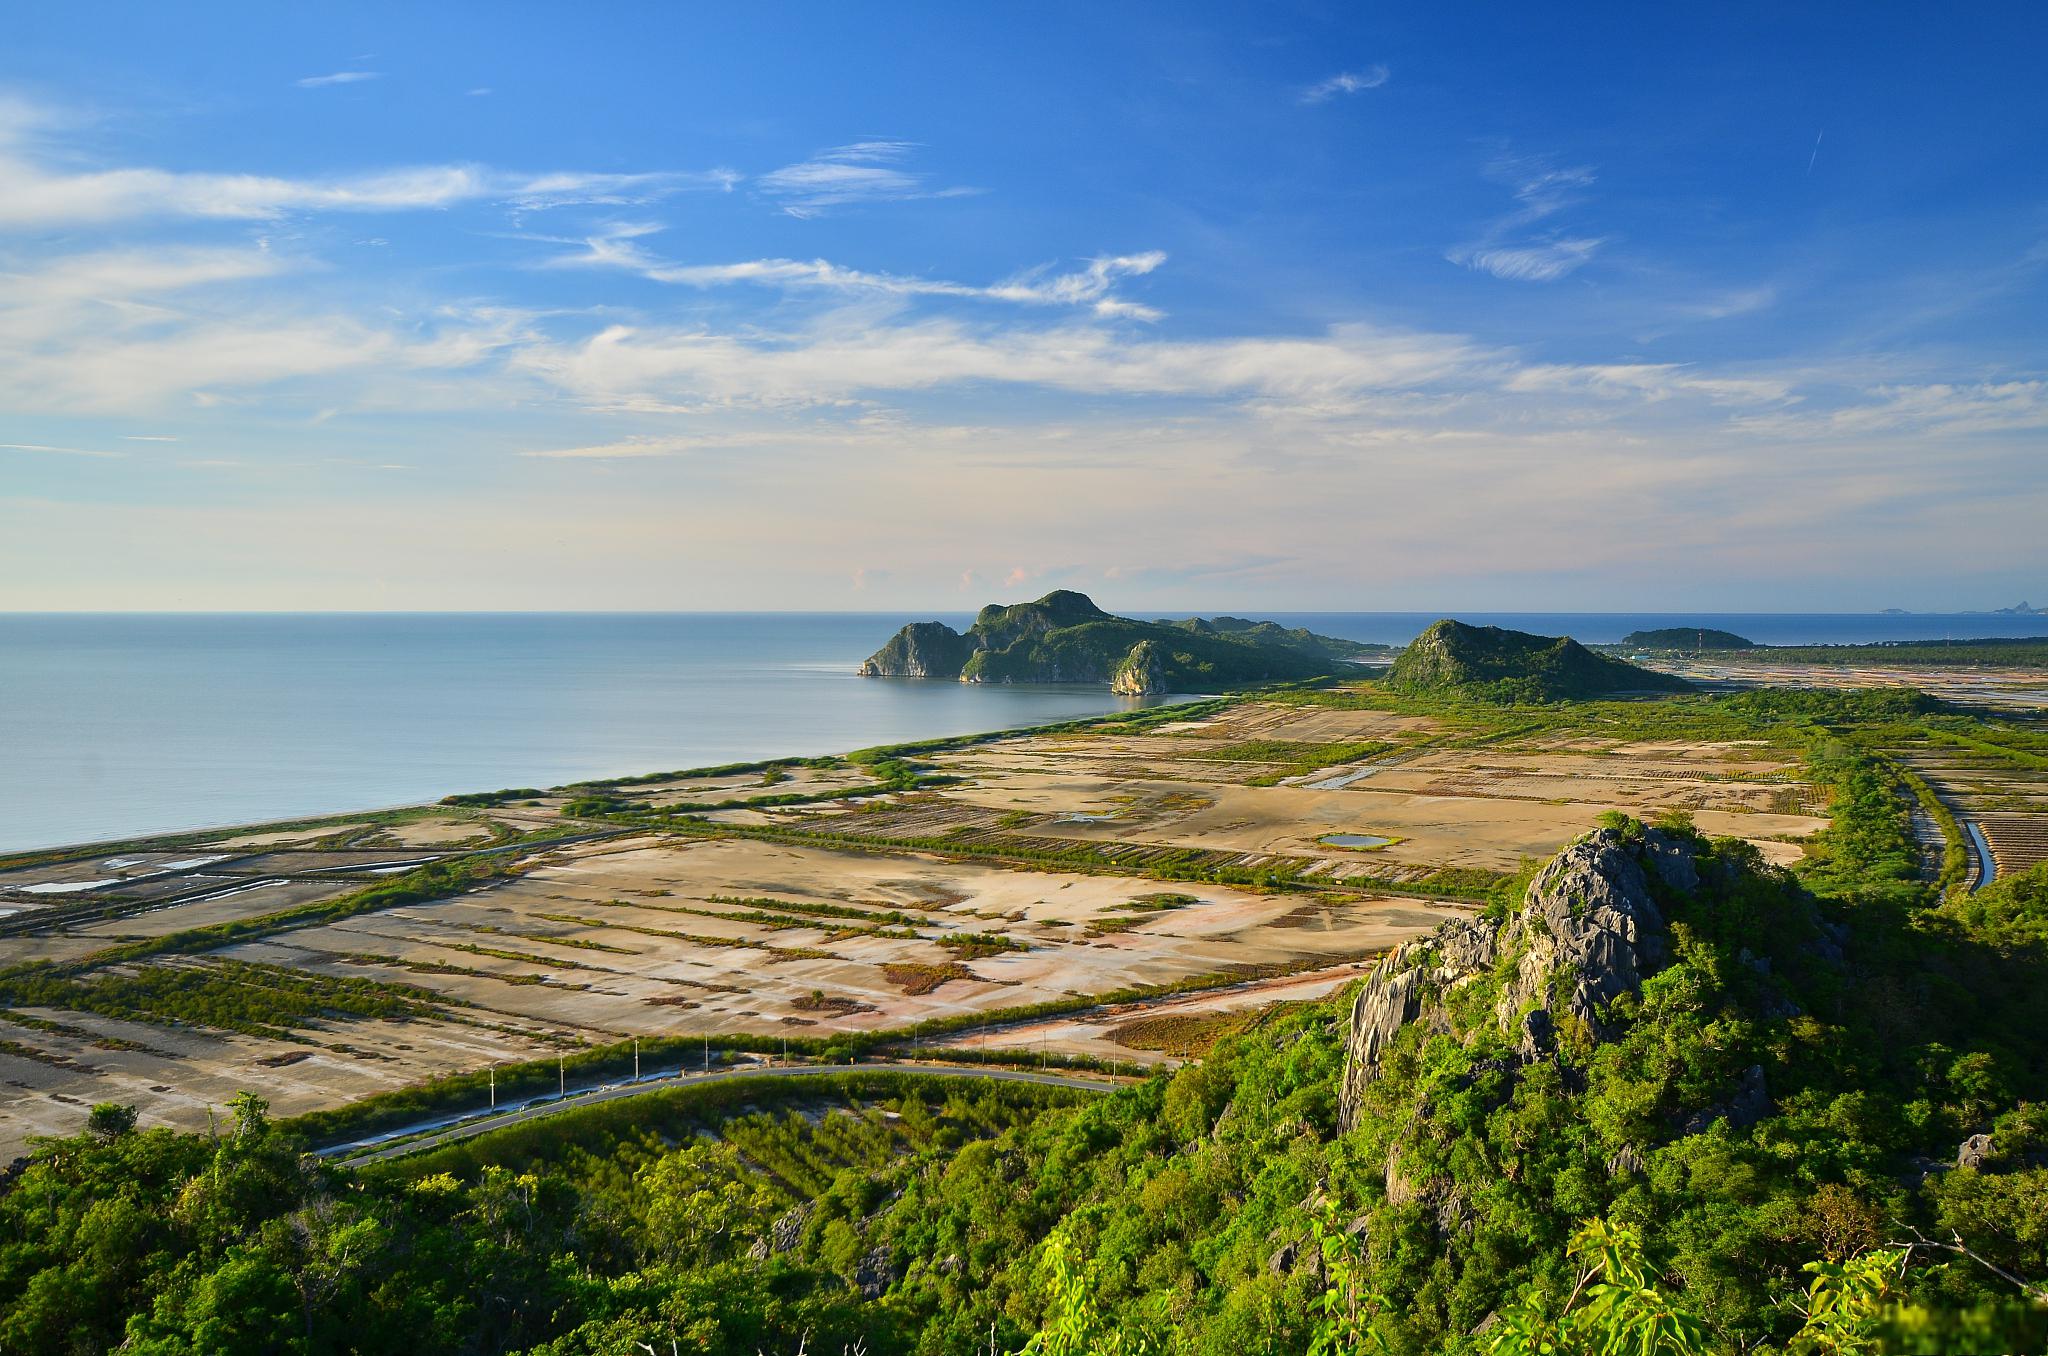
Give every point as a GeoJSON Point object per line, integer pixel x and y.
{"type": "Point", "coordinates": [1142, 672]}
{"type": "Point", "coordinates": [1588, 932]}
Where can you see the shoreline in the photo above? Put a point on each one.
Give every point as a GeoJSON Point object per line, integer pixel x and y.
{"type": "Point", "coordinates": [170, 839]}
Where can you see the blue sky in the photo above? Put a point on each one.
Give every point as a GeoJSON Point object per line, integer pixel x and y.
{"type": "Point", "coordinates": [660, 306]}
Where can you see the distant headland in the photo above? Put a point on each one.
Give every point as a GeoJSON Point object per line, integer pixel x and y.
{"type": "Point", "coordinates": [1065, 638]}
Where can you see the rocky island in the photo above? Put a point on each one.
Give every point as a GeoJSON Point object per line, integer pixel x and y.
{"type": "Point", "coordinates": [1686, 638]}
{"type": "Point", "coordinates": [1497, 664]}
{"type": "Point", "coordinates": [1065, 638]}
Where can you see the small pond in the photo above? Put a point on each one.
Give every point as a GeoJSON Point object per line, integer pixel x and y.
{"type": "Point", "coordinates": [1353, 840]}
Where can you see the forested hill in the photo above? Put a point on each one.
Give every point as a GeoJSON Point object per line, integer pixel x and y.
{"type": "Point", "coordinates": [1668, 1100]}
{"type": "Point", "coordinates": [1065, 638]}
{"type": "Point", "coordinates": [1686, 638]}
{"type": "Point", "coordinates": [1496, 664]}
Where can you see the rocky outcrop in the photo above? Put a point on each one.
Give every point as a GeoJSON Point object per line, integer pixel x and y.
{"type": "Point", "coordinates": [1586, 935]}
{"type": "Point", "coordinates": [1588, 932]}
{"type": "Point", "coordinates": [785, 1233]}
{"type": "Point", "coordinates": [920, 650]}
{"type": "Point", "coordinates": [875, 1272]}
{"type": "Point", "coordinates": [1142, 672]}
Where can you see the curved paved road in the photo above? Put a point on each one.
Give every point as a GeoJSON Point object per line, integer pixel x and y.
{"type": "Point", "coordinates": [351, 1153]}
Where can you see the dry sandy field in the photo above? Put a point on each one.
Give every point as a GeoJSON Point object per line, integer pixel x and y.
{"type": "Point", "coordinates": [1042, 871]}
{"type": "Point", "coordinates": [1987, 685]}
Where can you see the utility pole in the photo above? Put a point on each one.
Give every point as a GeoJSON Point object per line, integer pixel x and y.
{"type": "Point", "coordinates": [494, 1087]}
{"type": "Point", "coordinates": [707, 1053]}
{"type": "Point", "coordinates": [636, 1059]}
{"type": "Point", "coordinates": [561, 1076]}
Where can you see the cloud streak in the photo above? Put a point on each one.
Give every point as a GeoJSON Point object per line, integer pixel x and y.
{"type": "Point", "coordinates": [1510, 249]}
{"type": "Point", "coordinates": [857, 174]}
{"type": "Point", "coordinates": [35, 196]}
{"type": "Point", "coordinates": [336, 78]}
{"type": "Point", "coordinates": [845, 361]}
{"type": "Point", "coordinates": [1345, 82]}
{"type": "Point", "coordinates": [1092, 286]}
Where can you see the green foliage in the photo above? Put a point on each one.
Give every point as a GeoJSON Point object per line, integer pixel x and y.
{"type": "Point", "coordinates": [228, 995]}
{"type": "Point", "coordinates": [1685, 638]}
{"type": "Point", "coordinates": [2006, 652]}
{"type": "Point", "coordinates": [1347, 1307]}
{"type": "Point", "coordinates": [1616, 1308]}
{"type": "Point", "coordinates": [489, 798]}
{"type": "Point", "coordinates": [2010, 914]}
{"type": "Point", "coordinates": [1074, 1324]}
{"type": "Point", "coordinates": [1847, 1302]}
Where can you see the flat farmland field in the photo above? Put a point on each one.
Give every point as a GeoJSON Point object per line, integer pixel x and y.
{"type": "Point", "coordinates": [1188, 869]}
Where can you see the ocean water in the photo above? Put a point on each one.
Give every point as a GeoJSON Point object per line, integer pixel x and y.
{"type": "Point", "coordinates": [113, 726]}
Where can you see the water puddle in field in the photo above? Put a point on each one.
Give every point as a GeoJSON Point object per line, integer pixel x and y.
{"type": "Point", "coordinates": [1353, 840]}
{"type": "Point", "coordinates": [1340, 781]}
{"type": "Point", "coordinates": [1087, 817]}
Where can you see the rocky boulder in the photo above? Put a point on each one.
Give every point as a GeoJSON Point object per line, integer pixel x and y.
{"type": "Point", "coordinates": [1588, 932]}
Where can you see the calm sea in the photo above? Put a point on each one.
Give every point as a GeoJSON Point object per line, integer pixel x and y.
{"type": "Point", "coordinates": [112, 726]}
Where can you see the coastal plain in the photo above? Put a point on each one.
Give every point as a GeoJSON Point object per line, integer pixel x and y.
{"type": "Point", "coordinates": [1248, 853]}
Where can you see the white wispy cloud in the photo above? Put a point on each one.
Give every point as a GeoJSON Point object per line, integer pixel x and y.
{"type": "Point", "coordinates": [1534, 263]}
{"type": "Point", "coordinates": [135, 330]}
{"type": "Point", "coordinates": [848, 359]}
{"type": "Point", "coordinates": [1648, 381]}
{"type": "Point", "coordinates": [1345, 82]}
{"type": "Point", "coordinates": [1919, 409]}
{"type": "Point", "coordinates": [1510, 248]}
{"type": "Point", "coordinates": [861, 172]}
{"type": "Point", "coordinates": [35, 195]}
{"type": "Point", "coordinates": [337, 78]}
{"type": "Point", "coordinates": [117, 277]}
{"type": "Point", "coordinates": [1092, 286]}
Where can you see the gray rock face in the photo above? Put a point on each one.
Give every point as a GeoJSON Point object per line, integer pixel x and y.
{"type": "Point", "coordinates": [1587, 933]}
{"type": "Point", "coordinates": [1389, 1000]}
{"type": "Point", "coordinates": [1974, 1153]}
{"type": "Point", "coordinates": [1589, 919]}
{"type": "Point", "coordinates": [785, 1233]}
{"type": "Point", "coordinates": [875, 1272]}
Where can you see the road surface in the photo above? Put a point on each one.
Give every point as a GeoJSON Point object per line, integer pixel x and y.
{"type": "Point", "coordinates": [353, 1153]}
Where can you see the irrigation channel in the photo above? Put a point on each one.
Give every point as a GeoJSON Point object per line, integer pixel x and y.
{"type": "Point", "coordinates": [1983, 866]}
{"type": "Point", "coordinates": [429, 1134]}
